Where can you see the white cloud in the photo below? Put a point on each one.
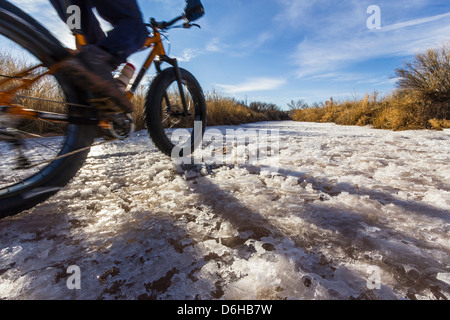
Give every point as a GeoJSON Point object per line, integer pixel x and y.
{"type": "Point", "coordinates": [256, 42]}
{"type": "Point", "coordinates": [328, 54]}
{"type": "Point", "coordinates": [214, 45]}
{"type": "Point", "coordinates": [294, 11]}
{"type": "Point", "coordinates": [335, 35]}
{"type": "Point", "coordinates": [187, 55]}
{"type": "Point", "coordinates": [241, 48]}
{"type": "Point", "coordinates": [253, 84]}
{"type": "Point", "coordinates": [415, 22]}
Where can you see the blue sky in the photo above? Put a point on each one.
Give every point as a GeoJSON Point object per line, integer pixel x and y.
{"type": "Point", "coordinates": [281, 50]}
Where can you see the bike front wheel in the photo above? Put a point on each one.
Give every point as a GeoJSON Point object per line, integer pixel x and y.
{"type": "Point", "coordinates": [176, 130]}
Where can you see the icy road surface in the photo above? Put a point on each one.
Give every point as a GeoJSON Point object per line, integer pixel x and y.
{"type": "Point", "coordinates": [351, 213]}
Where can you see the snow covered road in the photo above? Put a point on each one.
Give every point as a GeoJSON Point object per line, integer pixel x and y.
{"type": "Point", "coordinates": [350, 213]}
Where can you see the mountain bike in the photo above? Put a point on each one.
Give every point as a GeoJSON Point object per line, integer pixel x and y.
{"type": "Point", "coordinates": [48, 123]}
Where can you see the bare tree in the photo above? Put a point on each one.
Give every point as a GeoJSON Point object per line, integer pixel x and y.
{"type": "Point", "coordinates": [297, 105]}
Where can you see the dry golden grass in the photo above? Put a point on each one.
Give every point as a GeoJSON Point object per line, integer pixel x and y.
{"type": "Point", "coordinates": [139, 108]}
{"type": "Point", "coordinates": [356, 112]}
{"type": "Point", "coordinates": [397, 111]}
{"type": "Point", "coordinates": [227, 111]}
{"type": "Point", "coordinates": [420, 101]}
{"type": "Point", "coordinates": [439, 124]}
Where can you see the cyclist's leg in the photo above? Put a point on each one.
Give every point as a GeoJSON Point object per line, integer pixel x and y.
{"type": "Point", "coordinates": [92, 69]}
{"type": "Point", "coordinates": [93, 66]}
{"type": "Point", "coordinates": [129, 33]}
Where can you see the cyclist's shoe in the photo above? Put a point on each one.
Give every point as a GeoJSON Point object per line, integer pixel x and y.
{"type": "Point", "coordinates": [92, 69]}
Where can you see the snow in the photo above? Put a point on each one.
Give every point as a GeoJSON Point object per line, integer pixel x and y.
{"type": "Point", "coordinates": [341, 213]}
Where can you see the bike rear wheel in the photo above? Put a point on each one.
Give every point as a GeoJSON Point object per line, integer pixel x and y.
{"type": "Point", "coordinates": [37, 158]}
{"type": "Point", "coordinates": [175, 131]}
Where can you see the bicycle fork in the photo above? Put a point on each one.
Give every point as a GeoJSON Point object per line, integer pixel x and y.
{"type": "Point", "coordinates": [174, 63]}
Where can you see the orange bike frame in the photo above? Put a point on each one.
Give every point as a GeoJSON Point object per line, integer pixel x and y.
{"type": "Point", "coordinates": [157, 51]}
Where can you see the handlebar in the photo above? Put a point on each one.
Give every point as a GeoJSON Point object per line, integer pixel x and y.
{"type": "Point", "coordinates": [163, 25]}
